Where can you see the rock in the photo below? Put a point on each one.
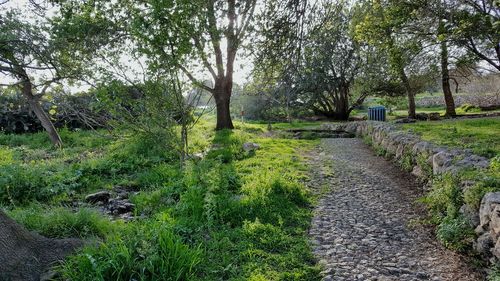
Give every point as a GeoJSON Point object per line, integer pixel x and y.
{"type": "Point", "coordinates": [484, 244]}
{"type": "Point", "coordinates": [50, 275]}
{"type": "Point", "coordinates": [118, 207]}
{"type": "Point", "coordinates": [434, 116]}
{"type": "Point", "coordinates": [250, 146]}
{"type": "Point", "coordinates": [495, 221]}
{"type": "Point", "coordinates": [488, 204]}
{"type": "Point", "coordinates": [405, 120]}
{"type": "Point", "coordinates": [417, 172]}
{"type": "Point", "coordinates": [496, 250]}
{"type": "Point", "coordinates": [470, 215]}
{"type": "Point", "coordinates": [127, 216]}
{"type": "Point", "coordinates": [441, 161]}
{"type": "Point", "coordinates": [101, 196]}
{"type": "Point", "coordinates": [422, 116]}
{"type": "Point", "coordinates": [197, 156]}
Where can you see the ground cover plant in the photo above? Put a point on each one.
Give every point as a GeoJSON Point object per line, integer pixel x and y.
{"type": "Point", "coordinates": [233, 215]}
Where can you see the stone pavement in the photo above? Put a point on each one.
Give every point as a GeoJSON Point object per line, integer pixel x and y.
{"type": "Point", "coordinates": [364, 224]}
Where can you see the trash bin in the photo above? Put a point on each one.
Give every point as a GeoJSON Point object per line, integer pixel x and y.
{"type": "Point", "coordinates": [376, 113]}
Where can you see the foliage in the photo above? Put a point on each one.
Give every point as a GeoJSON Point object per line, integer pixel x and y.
{"type": "Point", "coordinates": [486, 181]}
{"type": "Point", "coordinates": [466, 107]}
{"type": "Point", "coordinates": [155, 109]}
{"type": "Point", "coordinates": [444, 199]}
{"type": "Point", "coordinates": [456, 233]}
{"type": "Point", "coordinates": [332, 60]}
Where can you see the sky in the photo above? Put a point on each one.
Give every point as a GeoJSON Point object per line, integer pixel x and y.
{"type": "Point", "coordinates": [243, 65]}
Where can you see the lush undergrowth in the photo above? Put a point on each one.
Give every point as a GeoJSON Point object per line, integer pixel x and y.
{"type": "Point", "coordinates": [233, 215]}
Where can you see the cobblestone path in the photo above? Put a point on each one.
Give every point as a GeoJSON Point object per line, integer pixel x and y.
{"type": "Point", "coordinates": [362, 228]}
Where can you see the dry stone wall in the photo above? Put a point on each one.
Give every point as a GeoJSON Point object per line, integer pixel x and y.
{"type": "Point", "coordinates": [426, 160]}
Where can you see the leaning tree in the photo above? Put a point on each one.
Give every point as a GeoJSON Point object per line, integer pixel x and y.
{"type": "Point", "coordinates": [32, 61]}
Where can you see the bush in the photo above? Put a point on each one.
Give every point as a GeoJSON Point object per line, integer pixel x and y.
{"type": "Point", "coordinates": [445, 198]}
{"type": "Point", "coordinates": [456, 233]}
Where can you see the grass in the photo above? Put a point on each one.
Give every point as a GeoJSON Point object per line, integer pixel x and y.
{"type": "Point", "coordinates": [480, 135]}
{"type": "Point", "coordinates": [233, 215]}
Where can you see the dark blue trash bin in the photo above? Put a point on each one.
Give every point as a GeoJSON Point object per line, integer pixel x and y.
{"type": "Point", "coordinates": [376, 113]}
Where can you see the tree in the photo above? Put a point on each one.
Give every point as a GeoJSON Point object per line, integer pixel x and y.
{"type": "Point", "coordinates": [475, 25]}
{"type": "Point", "coordinates": [445, 73]}
{"type": "Point", "coordinates": [382, 23]}
{"type": "Point", "coordinates": [26, 255]}
{"type": "Point", "coordinates": [279, 49]}
{"type": "Point", "coordinates": [30, 56]}
{"type": "Point", "coordinates": [427, 23]}
{"type": "Point", "coordinates": [189, 35]}
{"type": "Point", "coordinates": [206, 29]}
{"type": "Point", "coordinates": [331, 63]}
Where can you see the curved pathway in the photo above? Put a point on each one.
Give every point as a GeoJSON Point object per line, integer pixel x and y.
{"type": "Point", "coordinates": [364, 224]}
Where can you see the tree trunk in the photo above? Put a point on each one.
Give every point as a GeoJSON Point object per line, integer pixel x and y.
{"type": "Point", "coordinates": [445, 76]}
{"type": "Point", "coordinates": [409, 92]}
{"type": "Point", "coordinates": [222, 96]}
{"type": "Point", "coordinates": [42, 116]}
{"type": "Point", "coordinates": [25, 255]}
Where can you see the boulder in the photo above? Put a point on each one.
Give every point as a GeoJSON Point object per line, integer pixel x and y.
{"type": "Point", "coordinates": [250, 146]}
{"type": "Point", "coordinates": [119, 207]}
{"type": "Point", "coordinates": [405, 120]}
{"type": "Point", "coordinates": [483, 244]}
{"type": "Point", "coordinates": [434, 116]}
{"type": "Point", "coordinates": [441, 161]}
{"type": "Point", "coordinates": [496, 250]}
{"type": "Point", "coordinates": [422, 116]}
{"type": "Point", "coordinates": [489, 204]}
{"type": "Point", "coordinates": [495, 220]}
{"type": "Point", "coordinates": [470, 214]}
{"type": "Point", "coordinates": [417, 172]}
{"type": "Point", "coordinates": [101, 196]}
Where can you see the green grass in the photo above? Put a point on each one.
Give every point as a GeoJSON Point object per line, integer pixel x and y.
{"type": "Point", "coordinates": [480, 135]}
{"type": "Point", "coordinates": [234, 215]}
{"type": "Point", "coordinates": [61, 222]}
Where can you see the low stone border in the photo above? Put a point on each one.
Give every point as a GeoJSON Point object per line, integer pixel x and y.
{"type": "Point", "coordinates": [426, 160]}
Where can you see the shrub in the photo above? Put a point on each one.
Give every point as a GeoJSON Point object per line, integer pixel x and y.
{"type": "Point", "coordinates": [423, 163]}
{"type": "Point", "coordinates": [486, 181]}
{"type": "Point", "coordinates": [445, 198]}
{"type": "Point", "coordinates": [475, 194]}
{"type": "Point", "coordinates": [456, 233]}
{"type": "Point", "coordinates": [406, 161]}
